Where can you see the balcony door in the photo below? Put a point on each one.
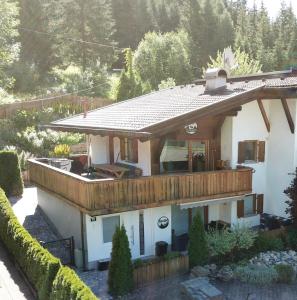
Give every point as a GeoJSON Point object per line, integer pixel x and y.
{"type": "Point", "coordinates": [184, 156]}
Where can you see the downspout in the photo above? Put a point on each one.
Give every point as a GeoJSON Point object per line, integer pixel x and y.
{"type": "Point", "coordinates": [83, 240]}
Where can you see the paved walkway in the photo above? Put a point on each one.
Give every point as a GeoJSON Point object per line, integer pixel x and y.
{"type": "Point", "coordinates": [34, 220]}
{"type": "Point", "coordinates": [12, 285]}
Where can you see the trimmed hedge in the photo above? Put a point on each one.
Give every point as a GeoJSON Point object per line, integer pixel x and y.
{"type": "Point", "coordinates": [67, 285]}
{"type": "Point", "coordinates": [10, 174]}
{"type": "Point", "coordinates": [42, 269]}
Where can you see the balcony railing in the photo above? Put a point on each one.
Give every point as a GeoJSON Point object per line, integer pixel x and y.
{"type": "Point", "coordinates": [102, 196]}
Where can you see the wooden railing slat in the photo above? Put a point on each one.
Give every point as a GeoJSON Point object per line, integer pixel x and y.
{"type": "Point", "coordinates": [143, 191]}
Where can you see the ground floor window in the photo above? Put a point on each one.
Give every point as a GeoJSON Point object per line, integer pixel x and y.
{"type": "Point", "coordinates": [247, 206]}
{"type": "Point", "coordinates": [109, 225]}
{"type": "Point", "coordinates": [141, 233]}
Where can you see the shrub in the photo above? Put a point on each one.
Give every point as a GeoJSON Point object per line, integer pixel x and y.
{"type": "Point", "coordinates": [286, 273]}
{"type": "Point", "coordinates": [198, 250]}
{"type": "Point", "coordinates": [62, 150]}
{"type": "Point", "coordinates": [231, 241]}
{"type": "Point", "coordinates": [120, 275]}
{"type": "Point", "coordinates": [292, 238]}
{"type": "Point", "coordinates": [10, 174]}
{"type": "Point", "coordinates": [43, 270]}
{"type": "Point", "coordinates": [265, 243]}
{"type": "Point", "coordinates": [254, 274]}
{"type": "Point", "coordinates": [67, 285]}
{"type": "Point", "coordinates": [38, 264]}
{"type": "Point", "coordinates": [220, 242]}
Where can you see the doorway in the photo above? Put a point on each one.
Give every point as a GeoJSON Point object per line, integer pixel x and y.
{"type": "Point", "coordinates": [184, 156]}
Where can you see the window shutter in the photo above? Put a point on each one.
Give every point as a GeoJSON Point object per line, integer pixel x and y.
{"type": "Point", "coordinates": [111, 150]}
{"type": "Point", "coordinates": [240, 208]}
{"type": "Point", "coordinates": [260, 203]}
{"type": "Point", "coordinates": [254, 204]}
{"type": "Point", "coordinates": [122, 149]}
{"type": "Point", "coordinates": [135, 150]}
{"type": "Point", "coordinates": [261, 151]}
{"type": "Point", "coordinates": [241, 147]}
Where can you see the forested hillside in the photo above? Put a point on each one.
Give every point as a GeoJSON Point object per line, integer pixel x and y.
{"type": "Point", "coordinates": [75, 45]}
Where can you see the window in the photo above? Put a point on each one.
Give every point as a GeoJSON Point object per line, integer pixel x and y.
{"type": "Point", "coordinates": [129, 150]}
{"type": "Point", "coordinates": [251, 151]}
{"type": "Point", "coordinates": [109, 225]}
{"type": "Point", "coordinates": [247, 206]}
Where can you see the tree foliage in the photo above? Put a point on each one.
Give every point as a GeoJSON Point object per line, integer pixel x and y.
{"type": "Point", "coordinates": [129, 85]}
{"type": "Point", "coordinates": [9, 47]}
{"type": "Point", "coordinates": [198, 248]}
{"type": "Point", "coordinates": [120, 275]}
{"type": "Point", "coordinates": [244, 64]}
{"type": "Point", "coordinates": [160, 56]}
{"type": "Point", "coordinates": [291, 192]}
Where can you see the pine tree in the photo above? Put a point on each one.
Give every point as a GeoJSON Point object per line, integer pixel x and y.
{"type": "Point", "coordinates": [37, 55]}
{"type": "Point", "coordinates": [124, 14]}
{"type": "Point", "coordinates": [89, 21]}
{"type": "Point", "coordinates": [291, 192]}
{"type": "Point", "coordinates": [198, 250]}
{"type": "Point", "coordinates": [120, 274]}
{"type": "Point", "coordinates": [8, 40]}
{"type": "Point", "coordinates": [129, 84]}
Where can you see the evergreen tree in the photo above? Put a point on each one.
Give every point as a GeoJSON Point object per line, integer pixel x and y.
{"type": "Point", "coordinates": [89, 21]}
{"type": "Point", "coordinates": [129, 85]}
{"type": "Point", "coordinates": [209, 26]}
{"type": "Point", "coordinates": [166, 15]}
{"type": "Point", "coordinates": [198, 250]}
{"type": "Point", "coordinates": [120, 274]}
{"type": "Point", "coordinates": [124, 14]}
{"type": "Point", "coordinates": [291, 192]}
{"type": "Point", "coordinates": [8, 44]}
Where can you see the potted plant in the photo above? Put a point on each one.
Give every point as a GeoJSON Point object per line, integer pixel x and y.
{"type": "Point", "coordinates": [61, 160]}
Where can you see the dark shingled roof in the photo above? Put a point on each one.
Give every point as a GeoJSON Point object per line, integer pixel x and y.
{"type": "Point", "coordinates": [138, 114]}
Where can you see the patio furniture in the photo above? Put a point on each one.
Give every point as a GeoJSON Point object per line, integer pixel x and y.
{"type": "Point", "coordinates": [112, 170]}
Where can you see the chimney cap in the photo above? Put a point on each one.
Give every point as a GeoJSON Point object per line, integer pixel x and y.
{"type": "Point", "coordinates": [213, 73]}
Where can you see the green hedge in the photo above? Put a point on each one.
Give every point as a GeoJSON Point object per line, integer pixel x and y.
{"type": "Point", "coordinates": [43, 270]}
{"type": "Point", "coordinates": [67, 285]}
{"type": "Point", "coordinates": [10, 174]}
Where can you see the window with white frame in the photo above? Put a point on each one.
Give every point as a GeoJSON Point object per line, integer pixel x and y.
{"type": "Point", "coordinates": [109, 225]}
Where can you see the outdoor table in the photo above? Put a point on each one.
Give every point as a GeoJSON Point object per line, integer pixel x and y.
{"type": "Point", "coordinates": [113, 170]}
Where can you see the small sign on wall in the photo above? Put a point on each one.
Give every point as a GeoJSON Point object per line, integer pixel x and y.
{"type": "Point", "coordinates": [163, 222]}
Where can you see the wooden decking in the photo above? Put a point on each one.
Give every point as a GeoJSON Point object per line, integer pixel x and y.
{"type": "Point", "coordinates": [114, 195]}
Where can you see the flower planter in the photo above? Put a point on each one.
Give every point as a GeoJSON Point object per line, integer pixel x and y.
{"type": "Point", "coordinates": [61, 163]}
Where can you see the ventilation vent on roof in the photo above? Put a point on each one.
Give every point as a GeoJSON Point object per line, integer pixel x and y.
{"type": "Point", "coordinates": [215, 79]}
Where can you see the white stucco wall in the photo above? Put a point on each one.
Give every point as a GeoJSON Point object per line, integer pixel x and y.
{"type": "Point", "coordinates": [64, 218]}
{"type": "Point", "coordinates": [249, 125]}
{"type": "Point", "coordinates": [281, 157]}
{"type": "Point", "coordinates": [271, 177]}
{"type": "Point", "coordinates": [99, 149]}
{"type": "Point", "coordinates": [144, 156]}
{"type": "Point", "coordinates": [98, 250]}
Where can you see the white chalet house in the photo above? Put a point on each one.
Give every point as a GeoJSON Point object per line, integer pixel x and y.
{"type": "Point", "coordinates": [223, 147]}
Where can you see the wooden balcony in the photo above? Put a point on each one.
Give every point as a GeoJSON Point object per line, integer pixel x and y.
{"type": "Point", "coordinates": [103, 196]}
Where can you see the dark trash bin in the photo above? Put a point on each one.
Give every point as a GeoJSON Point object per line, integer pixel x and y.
{"type": "Point", "coordinates": [161, 248]}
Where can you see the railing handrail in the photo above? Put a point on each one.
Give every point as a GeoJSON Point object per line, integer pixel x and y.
{"type": "Point", "coordinates": [104, 180]}
{"type": "Point", "coordinates": [106, 195]}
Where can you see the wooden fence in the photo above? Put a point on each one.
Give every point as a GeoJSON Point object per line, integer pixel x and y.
{"type": "Point", "coordinates": [112, 195]}
{"type": "Point", "coordinates": [160, 270]}
{"type": "Point", "coordinates": [7, 110]}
